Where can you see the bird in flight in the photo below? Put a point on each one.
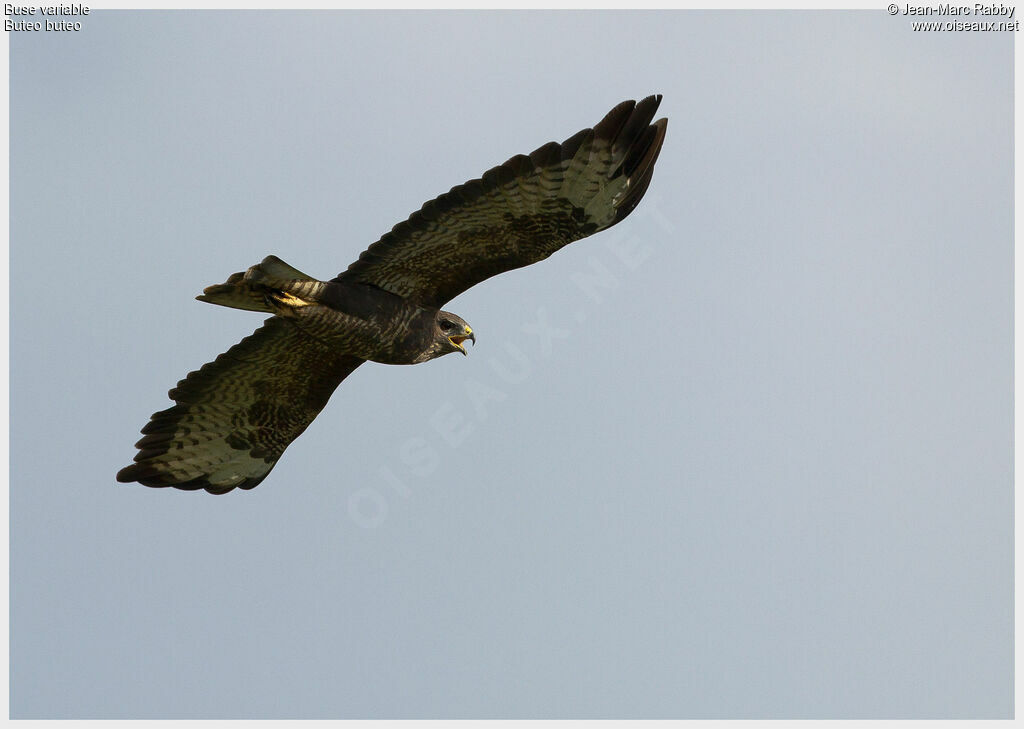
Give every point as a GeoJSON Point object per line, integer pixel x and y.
{"type": "Point", "coordinates": [234, 417]}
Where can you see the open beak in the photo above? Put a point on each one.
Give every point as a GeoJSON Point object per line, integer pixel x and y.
{"type": "Point", "coordinates": [458, 339]}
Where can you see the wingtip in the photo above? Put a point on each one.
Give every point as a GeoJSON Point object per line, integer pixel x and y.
{"type": "Point", "coordinates": [653, 101]}
{"type": "Point", "coordinates": [135, 474]}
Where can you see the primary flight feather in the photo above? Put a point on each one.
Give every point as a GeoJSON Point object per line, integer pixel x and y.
{"type": "Point", "coordinates": [234, 417]}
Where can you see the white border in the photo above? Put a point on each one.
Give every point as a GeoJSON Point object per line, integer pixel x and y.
{"type": "Point", "coordinates": [392, 4]}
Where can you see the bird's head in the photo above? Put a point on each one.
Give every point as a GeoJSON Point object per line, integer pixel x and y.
{"type": "Point", "coordinates": [451, 332]}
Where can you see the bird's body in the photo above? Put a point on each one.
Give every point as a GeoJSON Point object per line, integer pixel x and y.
{"type": "Point", "coordinates": [362, 321]}
{"type": "Point", "coordinates": [234, 417]}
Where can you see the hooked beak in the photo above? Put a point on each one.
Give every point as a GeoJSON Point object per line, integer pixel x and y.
{"type": "Point", "coordinates": [458, 339]}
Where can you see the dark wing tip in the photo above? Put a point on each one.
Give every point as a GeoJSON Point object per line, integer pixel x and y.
{"type": "Point", "coordinates": [627, 115]}
{"type": "Point", "coordinates": [148, 476]}
{"type": "Point", "coordinates": [609, 126]}
{"type": "Point", "coordinates": [127, 474]}
{"type": "Point", "coordinates": [640, 142]}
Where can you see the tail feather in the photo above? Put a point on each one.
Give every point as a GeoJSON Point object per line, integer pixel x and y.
{"type": "Point", "coordinates": [265, 287]}
{"type": "Point", "coordinates": [276, 268]}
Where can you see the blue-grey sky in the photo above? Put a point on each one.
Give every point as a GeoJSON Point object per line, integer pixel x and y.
{"type": "Point", "coordinates": [759, 465]}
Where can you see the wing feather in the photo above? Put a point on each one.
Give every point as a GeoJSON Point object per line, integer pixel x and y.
{"type": "Point", "coordinates": [234, 417]}
{"type": "Point", "coordinates": [520, 212]}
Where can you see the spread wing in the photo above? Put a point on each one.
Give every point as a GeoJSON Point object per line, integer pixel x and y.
{"type": "Point", "coordinates": [235, 416]}
{"type": "Point", "coordinates": [520, 212]}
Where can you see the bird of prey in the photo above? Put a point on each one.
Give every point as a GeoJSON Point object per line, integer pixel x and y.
{"type": "Point", "coordinates": [233, 418]}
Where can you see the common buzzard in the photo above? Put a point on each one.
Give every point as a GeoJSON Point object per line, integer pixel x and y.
{"type": "Point", "coordinates": [233, 418]}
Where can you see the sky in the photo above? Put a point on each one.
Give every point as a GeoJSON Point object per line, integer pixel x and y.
{"type": "Point", "coordinates": [746, 455]}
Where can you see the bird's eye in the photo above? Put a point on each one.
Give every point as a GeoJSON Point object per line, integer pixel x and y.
{"type": "Point", "coordinates": [446, 325]}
